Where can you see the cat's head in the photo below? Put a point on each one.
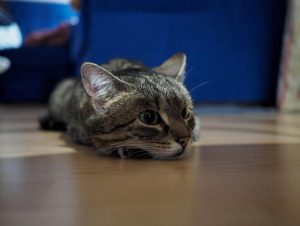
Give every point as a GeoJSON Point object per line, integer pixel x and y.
{"type": "Point", "coordinates": [140, 112]}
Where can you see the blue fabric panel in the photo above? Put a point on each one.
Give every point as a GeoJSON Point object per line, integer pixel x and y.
{"type": "Point", "coordinates": [166, 6]}
{"type": "Point", "coordinates": [235, 44]}
{"type": "Point", "coordinates": [33, 73]}
{"type": "Point", "coordinates": [79, 35]}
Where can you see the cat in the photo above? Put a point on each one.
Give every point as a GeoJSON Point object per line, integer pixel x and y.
{"type": "Point", "coordinates": [125, 108]}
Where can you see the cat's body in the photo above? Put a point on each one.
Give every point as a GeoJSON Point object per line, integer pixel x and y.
{"type": "Point", "coordinates": [126, 108]}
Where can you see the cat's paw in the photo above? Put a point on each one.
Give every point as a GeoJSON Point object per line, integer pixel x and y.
{"type": "Point", "coordinates": [48, 123]}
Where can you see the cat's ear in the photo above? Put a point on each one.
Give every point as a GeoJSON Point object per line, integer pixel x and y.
{"type": "Point", "coordinates": [173, 67]}
{"type": "Point", "coordinates": [99, 83]}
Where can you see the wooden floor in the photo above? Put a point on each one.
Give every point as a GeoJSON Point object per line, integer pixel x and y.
{"type": "Point", "coordinates": [245, 171]}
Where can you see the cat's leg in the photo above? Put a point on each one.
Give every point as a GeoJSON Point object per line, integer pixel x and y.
{"type": "Point", "coordinates": [47, 122]}
{"type": "Point", "coordinates": [78, 135]}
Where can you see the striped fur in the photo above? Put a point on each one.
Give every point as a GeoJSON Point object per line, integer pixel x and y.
{"type": "Point", "coordinates": [103, 109]}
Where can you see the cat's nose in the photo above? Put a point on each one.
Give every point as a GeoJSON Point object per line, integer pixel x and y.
{"type": "Point", "coordinates": [183, 141]}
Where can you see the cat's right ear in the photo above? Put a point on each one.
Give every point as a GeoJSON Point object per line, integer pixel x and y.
{"type": "Point", "coordinates": [173, 67]}
{"type": "Point", "coordinates": [99, 83]}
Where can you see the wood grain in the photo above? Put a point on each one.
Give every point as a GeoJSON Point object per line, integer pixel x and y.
{"type": "Point", "coordinates": [245, 171]}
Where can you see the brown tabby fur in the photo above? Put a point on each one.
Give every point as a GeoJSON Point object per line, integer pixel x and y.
{"type": "Point", "coordinates": [104, 109]}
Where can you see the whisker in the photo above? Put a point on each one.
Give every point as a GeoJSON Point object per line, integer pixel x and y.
{"type": "Point", "coordinates": [133, 144]}
{"type": "Point", "coordinates": [201, 84]}
{"type": "Point", "coordinates": [189, 71]}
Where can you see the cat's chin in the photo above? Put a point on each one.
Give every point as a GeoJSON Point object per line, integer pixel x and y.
{"type": "Point", "coordinates": [177, 155]}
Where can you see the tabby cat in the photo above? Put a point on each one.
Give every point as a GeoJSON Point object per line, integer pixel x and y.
{"type": "Point", "coordinates": [126, 109]}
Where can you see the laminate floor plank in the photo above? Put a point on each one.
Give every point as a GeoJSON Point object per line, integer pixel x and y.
{"type": "Point", "coordinates": [245, 171]}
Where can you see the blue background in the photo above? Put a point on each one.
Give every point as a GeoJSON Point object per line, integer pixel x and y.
{"type": "Point", "coordinates": [234, 44]}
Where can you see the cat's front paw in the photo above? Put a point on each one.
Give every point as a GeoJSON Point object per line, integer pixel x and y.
{"type": "Point", "coordinates": [49, 123]}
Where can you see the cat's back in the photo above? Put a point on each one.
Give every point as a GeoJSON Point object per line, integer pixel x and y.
{"type": "Point", "coordinates": [61, 97]}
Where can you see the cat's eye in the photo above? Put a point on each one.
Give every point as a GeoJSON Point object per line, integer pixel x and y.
{"type": "Point", "coordinates": [184, 113]}
{"type": "Point", "coordinates": [149, 117]}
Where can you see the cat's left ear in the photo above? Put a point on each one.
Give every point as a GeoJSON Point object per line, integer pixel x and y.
{"type": "Point", "coordinates": [99, 83]}
{"type": "Point", "coordinates": [173, 67]}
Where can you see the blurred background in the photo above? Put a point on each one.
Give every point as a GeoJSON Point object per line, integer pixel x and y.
{"type": "Point", "coordinates": [240, 51]}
